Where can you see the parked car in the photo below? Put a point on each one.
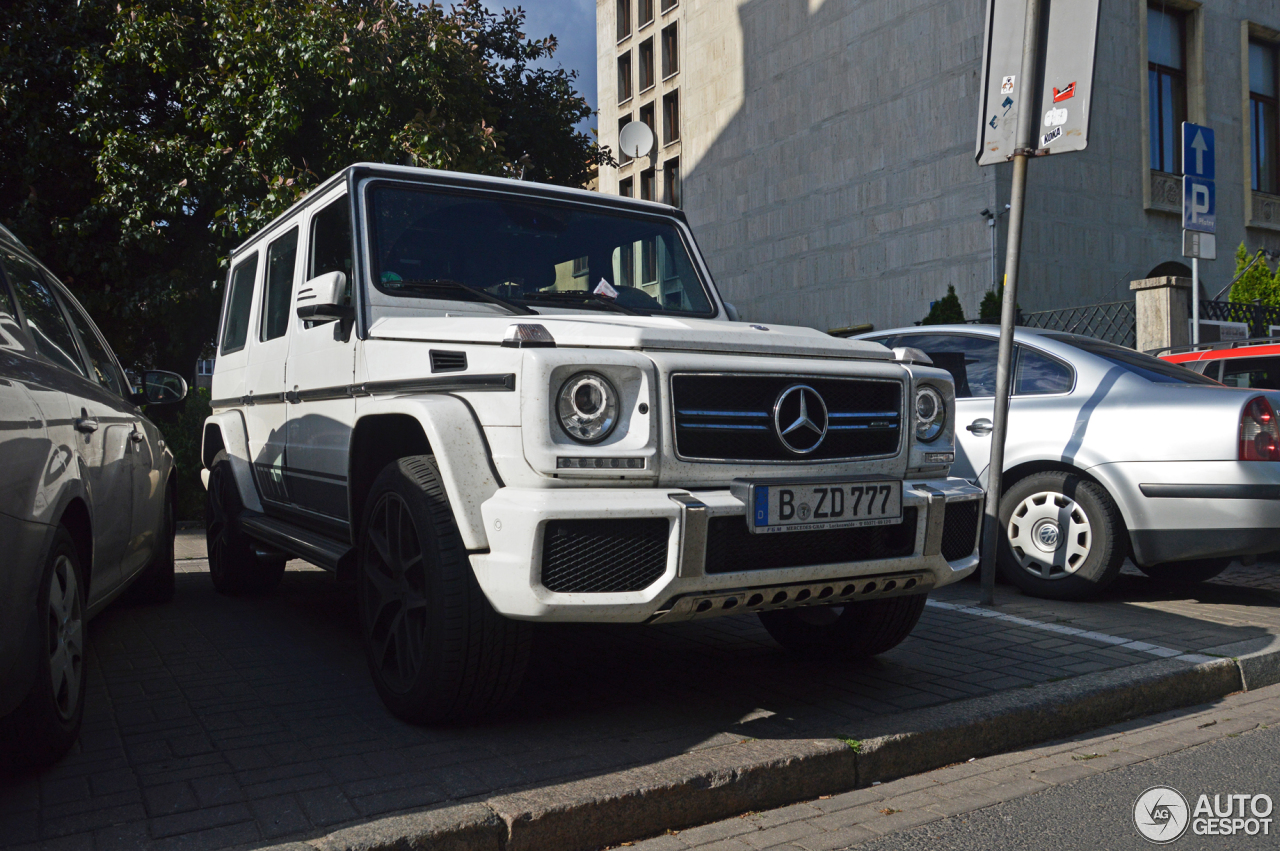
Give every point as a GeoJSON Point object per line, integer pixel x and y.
{"type": "Point", "coordinates": [1238, 363]}
{"type": "Point", "coordinates": [1110, 453]}
{"type": "Point", "coordinates": [492, 402]}
{"type": "Point", "coordinates": [86, 501]}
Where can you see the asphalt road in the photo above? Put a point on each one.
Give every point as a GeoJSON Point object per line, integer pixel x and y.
{"type": "Point", "coordinates": [1097, 812]}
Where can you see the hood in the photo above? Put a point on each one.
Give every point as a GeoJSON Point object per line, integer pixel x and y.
{"type": "Point", "coordinates": [610, 331]}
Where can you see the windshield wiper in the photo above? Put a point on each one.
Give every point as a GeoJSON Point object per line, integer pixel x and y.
{"type": "Point", "coordinates": [450, 284]}
{"type": "Point", "coordinates": [585, 298]}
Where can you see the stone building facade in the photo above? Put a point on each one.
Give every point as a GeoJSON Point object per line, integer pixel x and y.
{"type": "Point", "coordinates": [824, 149]}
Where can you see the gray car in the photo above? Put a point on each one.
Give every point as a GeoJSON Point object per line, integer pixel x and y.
{"type": "Point", "coordinates": [1110, 453]}
{"type": "Point", "coordinates": [86, 501]}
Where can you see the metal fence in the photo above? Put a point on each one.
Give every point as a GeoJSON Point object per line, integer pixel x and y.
{"type": "Point", "coordinates": [1259, 317]}
{"type": "Point", "coordinates": [1115, 322]}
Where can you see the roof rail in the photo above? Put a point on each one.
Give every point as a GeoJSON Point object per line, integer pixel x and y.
{"type": "Point", "coordinates": [1209, 347]}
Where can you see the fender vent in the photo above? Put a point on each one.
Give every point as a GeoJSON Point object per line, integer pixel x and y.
{"type": "Point", "coordinates": [448, 361]}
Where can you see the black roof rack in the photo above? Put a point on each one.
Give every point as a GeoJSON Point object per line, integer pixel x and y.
{"type": "Point", "coordinates": [1209, 347]}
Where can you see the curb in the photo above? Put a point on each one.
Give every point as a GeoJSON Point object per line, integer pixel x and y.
{"type": "Point", "coordinates": [717, 783]}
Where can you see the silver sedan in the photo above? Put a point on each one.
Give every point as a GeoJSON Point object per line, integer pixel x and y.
{"type": "Point", "coordinates": [1110, 453]}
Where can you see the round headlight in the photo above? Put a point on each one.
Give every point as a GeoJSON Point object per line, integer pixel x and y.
{"type": "Point", "coordinates": [588, 407]}
{"type": "Point", "coordinates": [931, 413]}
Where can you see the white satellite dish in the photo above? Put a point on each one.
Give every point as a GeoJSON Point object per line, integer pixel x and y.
{"type": "Point", "coordinates": [635, 139]}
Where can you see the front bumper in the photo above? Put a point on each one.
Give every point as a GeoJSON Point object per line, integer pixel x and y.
{"type": "Point", "coordinates": [516, 520]}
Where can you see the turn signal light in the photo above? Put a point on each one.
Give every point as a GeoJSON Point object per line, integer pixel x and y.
{"type": "Point", "coordinates": [1259, 432]}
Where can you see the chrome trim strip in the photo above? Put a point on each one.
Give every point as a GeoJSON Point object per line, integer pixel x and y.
{"type": "Point", "coordinates": [693, 535]}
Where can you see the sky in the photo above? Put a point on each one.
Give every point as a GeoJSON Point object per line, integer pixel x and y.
{"type": "Point", "coordinates": [573, 23]}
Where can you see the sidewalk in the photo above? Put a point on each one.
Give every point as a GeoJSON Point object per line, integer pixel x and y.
{"type": "Point", "coordinates": [216, 722]}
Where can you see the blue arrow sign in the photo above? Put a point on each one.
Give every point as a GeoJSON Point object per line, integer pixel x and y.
{"type": "Point", "coordinates": [1197, 151]}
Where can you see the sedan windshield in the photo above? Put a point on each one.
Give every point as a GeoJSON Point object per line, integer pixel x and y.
{"type": "Point", "coordinates": [548, 257]}
{"type": "Point", "coordinates": [1152, 369]}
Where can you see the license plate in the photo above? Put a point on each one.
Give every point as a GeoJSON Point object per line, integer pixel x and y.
{"type": "Point", "coordinates": [825, 505]}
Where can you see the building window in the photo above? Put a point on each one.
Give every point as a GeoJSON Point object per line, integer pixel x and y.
{"type": "Point", "coordinates": [646, 115]}
{"type": "Point", "coordinates": [646, 65]}
{"type": "Point", "coordinates": [647, 185]}
{"type": "Point", "coordinates": [1263, 118]}
{"type": "Point", "coordinates": [624, 188]}
{"type": "Point", "coordinates": [670, 54]}
{"type": "Point", "coordinates": [1167, 85]}
{"type": "Point", "coordinates": [668, 5]}
{"type": "Point", "coordinates": [624, 19]}
{"type": "Point", "coordinates": [624, 77]}
{"type": "Point", "coordinates": [646, 13]}
{"type": "Point", "coordinates": [671, 181]}
{"type": "Point", "coordinates": [622, 155]}
{"type": "Point", "coordinates": [670, 117]}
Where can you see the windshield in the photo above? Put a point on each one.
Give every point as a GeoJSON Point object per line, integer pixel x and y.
{"type": "Point", "coordinates": [438, 245]}
{"type": "Point", "coordinates": [1152, 369]}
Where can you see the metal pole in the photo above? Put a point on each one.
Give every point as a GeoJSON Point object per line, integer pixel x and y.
{"type": "Point", "coordinates": [991, 532]}
{"type": "Point", "coordinates": [995, 217]}
{"type": "Point", "coordinates": [1195, 300]}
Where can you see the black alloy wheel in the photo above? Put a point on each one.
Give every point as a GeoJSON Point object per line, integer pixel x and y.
{"type": "Point", "coordinates": [234, 566]}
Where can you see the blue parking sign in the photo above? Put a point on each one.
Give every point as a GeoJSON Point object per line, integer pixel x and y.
{"type": "Point", "coordinates": [1199, 204]}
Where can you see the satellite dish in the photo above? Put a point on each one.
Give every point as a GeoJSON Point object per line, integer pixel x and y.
{"type": "Point", "coordinates": [635, 139]}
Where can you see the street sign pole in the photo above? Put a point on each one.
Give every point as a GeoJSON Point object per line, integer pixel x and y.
{"type": "Point", "coordinates": [1199, 213]}
{"type": "Point", "coordinates": [1027, 114]}
{"type": "Point", "coordinates": [1195, 300]}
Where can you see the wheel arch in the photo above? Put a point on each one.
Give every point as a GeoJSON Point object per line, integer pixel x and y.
{"type": "Point", "coordinates": [226, 432]}
{"type": "Point", "coordinates": [1094, 474]}
{"type": "Point", "coordinates": [76, 518]}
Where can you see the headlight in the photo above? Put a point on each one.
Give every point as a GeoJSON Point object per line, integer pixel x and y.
{"type": "Point", "coordinates": [931, 413]}
{"type": "Point", "coordinates": [588, 407]}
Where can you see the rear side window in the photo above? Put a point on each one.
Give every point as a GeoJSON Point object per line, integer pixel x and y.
{"type": "Point", "coordinates": [44, 317]}
{"type": "Point", "coordinates": [239, 303]}
{"type": "Point", "coordinates": [1262, 373]}
{"type": "Point", "coordinates": [1039, 375]}
{"type": "Point", "coordinates": [100, 360]}
{"type": "Point", "coordinates": [282, 259]}
{"type": "Point", "coordinates": [1152, 369]}
{"type": "Point", "coordinates": [331, 241]}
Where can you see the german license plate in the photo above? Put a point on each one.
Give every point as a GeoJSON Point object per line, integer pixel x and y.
{"type": "Point", "coordinates": [825, 505]}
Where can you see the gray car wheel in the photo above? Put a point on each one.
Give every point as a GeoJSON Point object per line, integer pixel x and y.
{"type": "Point", "coordinates": [1063, 537]}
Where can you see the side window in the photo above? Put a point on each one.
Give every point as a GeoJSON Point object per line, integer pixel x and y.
{"type": "Point", "coordinates": [970, 360]}
{"type": "Point", "coordinates": [239, 302]}
{"type": "Point", "coordinates": [44, 317]}
{"type": "Point", "coordinates": [1038, 374]}
{"type": "Point", "coordinates": [331, 241]}
{"type": "Point", "coordinates": [1262, 373]}
{"type": "Point", "coordinates": [282, 260]}
{"type": "Point", "coordinates": [104, 367]}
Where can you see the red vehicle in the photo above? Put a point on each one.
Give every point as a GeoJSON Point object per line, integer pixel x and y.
{"type": "Point", "coordinates": [1236, 363]}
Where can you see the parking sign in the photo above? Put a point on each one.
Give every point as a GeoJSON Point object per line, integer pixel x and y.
{"type": "Point", "coordinates": [1199, 195]}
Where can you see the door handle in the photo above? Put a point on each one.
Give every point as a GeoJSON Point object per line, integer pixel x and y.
{"type": "Point", "coordinates": [86, 424]}
{"type": "Point", "coordinates": [979, 426]}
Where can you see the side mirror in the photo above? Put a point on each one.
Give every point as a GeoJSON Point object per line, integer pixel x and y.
{"type": "Point", "coordinates": [160, 387]}
{"type": "Point", "coordinates": [323, 298]}
{"type": "Point", "coordinates": [731, 312]}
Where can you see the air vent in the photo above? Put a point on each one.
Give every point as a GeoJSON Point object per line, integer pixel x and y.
{"type": "Point", "coordinates": [448, 361]}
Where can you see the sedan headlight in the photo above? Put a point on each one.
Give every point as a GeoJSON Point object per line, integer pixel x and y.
{"type": "Point", "coordinates": [588, 407]}
{"type": "Point", "coordinates": [931, 413]}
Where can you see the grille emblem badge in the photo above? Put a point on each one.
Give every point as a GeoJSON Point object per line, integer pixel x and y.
{"type": "Point", "coordinates": [800, 418]}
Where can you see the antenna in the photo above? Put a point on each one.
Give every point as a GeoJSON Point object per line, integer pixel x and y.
{"type": "Point", "coordinates": [635, 139]}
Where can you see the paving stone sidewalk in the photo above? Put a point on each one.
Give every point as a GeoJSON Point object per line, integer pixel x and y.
{"type": "Point", "coordinates": [217, 723]}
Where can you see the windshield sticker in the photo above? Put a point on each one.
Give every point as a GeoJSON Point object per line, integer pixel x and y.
{"type": "Point", "coordinates": [605, 289]}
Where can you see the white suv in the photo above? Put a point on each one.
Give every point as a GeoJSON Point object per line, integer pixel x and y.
{"type": "Point", "coordinates": [491, 402]}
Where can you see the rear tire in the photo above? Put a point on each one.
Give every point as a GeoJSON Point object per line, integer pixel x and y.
{"type": "Point", "coordinates": [155, 583]}
{"type": "Point", "coordinates": [1185, 572]}
{"type": "Point", "coordinates": [1062, 537]}
{"type": "Point", "coordinates": [436, 649]}
{"type": "Point", "coordinates": [46, 724]}
{"type": "Point", "coordinates": [234, 566]}
{"type": "Point", "coordinates": [851, 631]}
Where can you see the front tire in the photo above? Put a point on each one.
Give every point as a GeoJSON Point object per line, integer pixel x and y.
{"type": "Point", "coordinates": [851, 631]}
{"type": "Point", "coordinates": [1186, 572]}
{"type": "Point", "coordinates": [1063, 537]}
{"type": "Point", "coordinates": [234, 567]}
{"type": "Point", "coordinates": [45, 726]}
{"type": "Point", "coordinates": [436, 649]}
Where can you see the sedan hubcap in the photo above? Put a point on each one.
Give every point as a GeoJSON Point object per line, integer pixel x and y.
{"type": "Point", "coordinates": [1050, 535]}
{"type": "Point", "coordinates": [66, 638]}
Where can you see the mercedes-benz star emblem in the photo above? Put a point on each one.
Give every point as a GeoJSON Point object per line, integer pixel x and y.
{"type": "Point", "coordinates": [800, 418]}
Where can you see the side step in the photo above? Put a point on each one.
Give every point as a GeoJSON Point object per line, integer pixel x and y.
{"type": "Point", "coordinates": [299, 542]}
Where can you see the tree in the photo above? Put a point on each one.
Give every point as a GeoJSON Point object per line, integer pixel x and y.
{"type": "Point", "coordinates": [946, 310]}
{"type": "Point", "coordinates": [157, 135]}
{"type": "Point", "coordinates": [991, 306]}
{"type": "Point", "coordinates": [1257, 283]}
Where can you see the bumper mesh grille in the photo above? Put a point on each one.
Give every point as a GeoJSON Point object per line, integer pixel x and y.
{"type": "Point", "coordinates": [731, 548]}
{"type": "Point", "coordinates": [960, 529]}
{"type": "Point", "coordinates": [603, 556]}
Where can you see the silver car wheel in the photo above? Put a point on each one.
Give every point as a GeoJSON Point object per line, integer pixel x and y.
{"type": "Point", "coordinates": [1050, 535]}
{"type": "Point", "coordinates": [66, 637]}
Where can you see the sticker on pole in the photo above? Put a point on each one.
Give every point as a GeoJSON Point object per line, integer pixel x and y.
{"type": "Point", "coordinates": [1006, 85]}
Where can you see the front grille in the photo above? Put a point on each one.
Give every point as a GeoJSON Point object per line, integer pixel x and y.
{"type": "Point", "coordinates": [730, 417]}
{"type": "Point", "coordinates": [731, 548]}
{"type": "Point", "coordinates": [960, 529]}
{"type": "Point", "coordinates": [442, 361]}
{"type": "Point", "coordinates": [603, 556]}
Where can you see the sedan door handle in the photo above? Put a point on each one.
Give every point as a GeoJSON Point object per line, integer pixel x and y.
{"type": "Point", "coordinates": [86, 424]}
{"type": "Point", "coordinates": [980, 426]}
